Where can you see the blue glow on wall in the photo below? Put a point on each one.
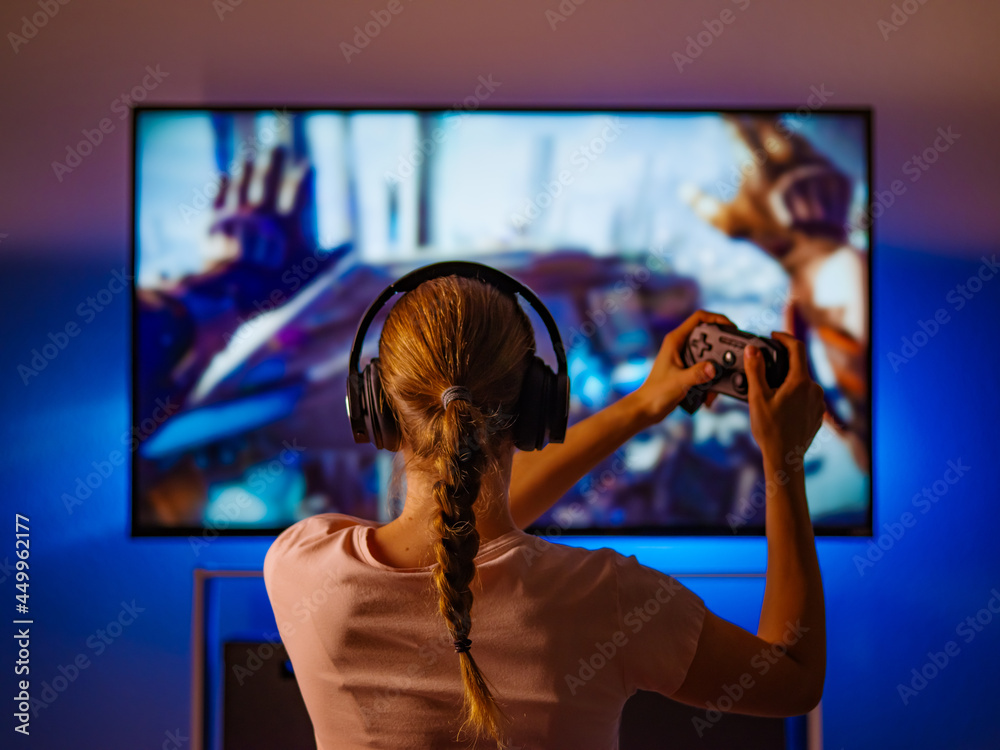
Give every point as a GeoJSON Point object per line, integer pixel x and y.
{"type": "Point", "coordinates": [890, 601]}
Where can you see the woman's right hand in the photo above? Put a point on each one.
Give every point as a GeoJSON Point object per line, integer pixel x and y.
{"type": "Point", "coordinates": [783, 420]}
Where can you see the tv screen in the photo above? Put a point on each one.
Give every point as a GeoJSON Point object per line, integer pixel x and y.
{"type": "Point", "coordinates": [261, 236]}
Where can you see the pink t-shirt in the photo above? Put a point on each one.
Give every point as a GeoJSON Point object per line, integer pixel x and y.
{"type": "Point", "coordinates": [564, 635]}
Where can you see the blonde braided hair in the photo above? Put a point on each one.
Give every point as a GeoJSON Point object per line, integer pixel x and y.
{"type": "Point", "coordinates": [464, 337]}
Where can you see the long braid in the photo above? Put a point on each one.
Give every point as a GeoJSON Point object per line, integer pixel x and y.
{"type": "Point", "coordinates": [461, 464]}
{"type": "Point", "coordinates": [457, 332]}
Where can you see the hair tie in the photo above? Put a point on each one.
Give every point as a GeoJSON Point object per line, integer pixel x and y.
{"type": "Point", "coordinates": [462, 645]}
{"type": "Point", "coordinates": [455, 392]}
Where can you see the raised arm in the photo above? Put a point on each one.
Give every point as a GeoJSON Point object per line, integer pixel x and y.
{"type": "Point", "coordinates": [540, 478]}
{"type": "Point", "coordinates": [779, 671]}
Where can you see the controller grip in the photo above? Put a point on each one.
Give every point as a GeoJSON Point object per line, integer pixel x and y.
{"type": "Point", "coordinates": [694, 398]}
{"type": "Point", "coordinates": [723, 345]}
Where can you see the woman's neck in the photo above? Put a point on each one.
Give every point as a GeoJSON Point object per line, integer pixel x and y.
{"type": "Point", "coordinates": [409, 541]}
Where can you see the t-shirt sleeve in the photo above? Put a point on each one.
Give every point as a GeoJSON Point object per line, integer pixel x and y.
{"type": "Point", "coordinates": [662, 620]}
{"type": "Point", "coordinates": [295, 542]}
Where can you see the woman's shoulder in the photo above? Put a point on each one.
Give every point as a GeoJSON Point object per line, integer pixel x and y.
{"type": "Point", "coordinates": [601, 563]}
{"type": "Point", "coordinates": [309, 533]}
{"type": "Point", "coordinates": [555, 557]}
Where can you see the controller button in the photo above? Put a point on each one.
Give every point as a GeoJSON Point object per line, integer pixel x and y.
{"type": "Point", "coordinates": [700, 346]}
{"type": "Point", "coordinates": [740, 382]}
{"type": "Point", "coordinates": [728, 358]}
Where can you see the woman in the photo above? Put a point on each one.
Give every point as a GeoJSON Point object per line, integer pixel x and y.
{"type": "Point", "coordinates": [378, 619]}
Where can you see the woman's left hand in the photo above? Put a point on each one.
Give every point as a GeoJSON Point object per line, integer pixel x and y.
{"type": "Point", "coordinates": [540, 478]}
{"type": "Point", "coordinates": [669, 380]}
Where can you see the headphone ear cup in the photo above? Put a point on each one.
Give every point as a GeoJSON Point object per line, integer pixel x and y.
{"type": "Point", "coordinates": [380, 418]}
{"type": "Point", "coordinates": [559, 413]}
{"type": "Point", "coordinates": [534, 406]}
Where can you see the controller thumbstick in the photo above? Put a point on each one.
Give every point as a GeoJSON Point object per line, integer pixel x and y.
{"type": "Point", "coordinates": [739, 382]}
{"type": "Point", "coordinates": [718, 373]}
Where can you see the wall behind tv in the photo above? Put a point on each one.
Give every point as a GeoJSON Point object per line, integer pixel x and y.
{"type": "Point", "coordinates": [924, 67]}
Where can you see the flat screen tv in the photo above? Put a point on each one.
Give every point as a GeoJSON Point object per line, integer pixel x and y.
{"type": "Point", "coordinates": [262, 234]}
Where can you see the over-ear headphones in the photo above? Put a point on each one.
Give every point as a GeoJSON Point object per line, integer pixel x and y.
{"type": "Point", "coordinates": [543, 405]}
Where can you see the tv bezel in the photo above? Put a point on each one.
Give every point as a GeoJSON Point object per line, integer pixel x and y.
{"type": "Point", "coordinates": [684, 531]}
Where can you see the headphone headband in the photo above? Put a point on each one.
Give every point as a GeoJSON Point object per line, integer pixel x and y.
{"type": "Point", "coordinates": [468, 270]}
{"type": "Point", "coordinates": [543, 404]}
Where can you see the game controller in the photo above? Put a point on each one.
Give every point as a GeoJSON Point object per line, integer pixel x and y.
{"type": "Point", "coordinates": [723, 345]}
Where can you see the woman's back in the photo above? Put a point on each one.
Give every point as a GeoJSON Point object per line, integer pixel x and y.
{"type": "Point", "coordinates": [564, 636]}
{"type": "Point", "coordinates": [559, 637]}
